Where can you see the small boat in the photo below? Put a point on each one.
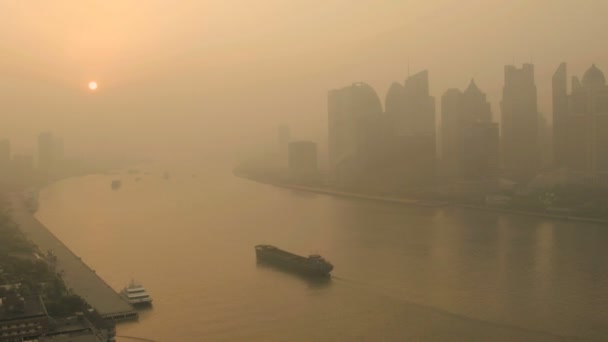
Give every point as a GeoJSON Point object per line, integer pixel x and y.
{"type": "Point", "coordinates": [136, 295]}
{"type": "Point", "coordinates": [116, 184]}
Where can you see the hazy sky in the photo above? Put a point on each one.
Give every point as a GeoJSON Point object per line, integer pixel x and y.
{"type": "Point", "coordinates": [195, 75]}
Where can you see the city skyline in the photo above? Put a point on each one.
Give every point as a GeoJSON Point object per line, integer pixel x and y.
{"type": "Point", "coordinates": [272, 56]}
{"type": "Point", "coordinates": [367, 138]}
{"type": "Point", "coordinates": [320, 170]}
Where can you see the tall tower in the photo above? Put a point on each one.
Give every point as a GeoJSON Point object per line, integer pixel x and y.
{"type": "Point", "coordinates": [560, 113]}
{"type": "Point", "coordinates": [354, 126]}
{"type": "Point", "coordinates": [395, 106]}
{"type": "Point", "coordinates": [586, 128]}
{"type": "Point", "coordinates": [451, 116]}
{"type": "Point", "coordinates": [469, 137]}
{"type": "Point", "coordinates": [519, 120]}
{"type": "Point", "coordinates": [419, 106]}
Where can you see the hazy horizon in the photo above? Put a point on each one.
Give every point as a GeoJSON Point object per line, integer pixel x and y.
{"type": "Point", "coordinates": [212, 77]}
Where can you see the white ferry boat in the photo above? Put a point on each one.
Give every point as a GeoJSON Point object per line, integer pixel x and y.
{"type": "Point", "coordinates": [136, 295]}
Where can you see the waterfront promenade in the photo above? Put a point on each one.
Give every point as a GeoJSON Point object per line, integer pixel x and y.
{"type": "Point", "coordinates": [78, 277]}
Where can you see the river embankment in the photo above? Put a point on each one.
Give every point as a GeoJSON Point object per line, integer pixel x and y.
{"type": "Point", "coordinates": [418, 202]}
{"type": "Point", "coordinates": [78, 277]}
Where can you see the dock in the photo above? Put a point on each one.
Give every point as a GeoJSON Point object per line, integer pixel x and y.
{"type": "Point", "coordinates": [78, 277]}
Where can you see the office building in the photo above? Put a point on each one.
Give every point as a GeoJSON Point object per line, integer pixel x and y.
{"type": "Point", "coordinates": [470, 139]}
{"type": "Point", "coordinates": [519, 123]}
{"type": "Point", "coordinates": [581, 125]}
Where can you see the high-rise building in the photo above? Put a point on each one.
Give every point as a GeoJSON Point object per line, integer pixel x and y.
{"type": "Point", "coordinates": [470, 140]}
{"type": "Point", "coordinates": [480, 158]}
{"type": "Point", "coordinates": [391, 149]}
{"type": "Point", "coordinates": [411, 107]}
{"type": "Point", "coordinates": [519, 123]}
{"type": "Point", "coordinates": [545, 141]}
{"type": "Point", "coordinates": [395, 106]}
{"type": "Point", "coordinates": [409, 155]}
{"type": "Point", "coordinates": [355, 129]}
{"type": "Point", "coordinates": [451, 113]}
{"type": "Point", "coordinates": [560, 114]}
{"type": "Point", "coordinates": [581, 135]}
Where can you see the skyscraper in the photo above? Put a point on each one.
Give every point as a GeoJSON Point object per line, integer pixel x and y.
{"type": "Point", "coordinates": [581, 121]}
{"type": "Point", "coordinates": [519, 123]}
{"type": "Point", "coordinates": [412, 107]}
{"type": "Point", "coordinates": [354, 128]}
{"type": "Point", "coordinates": [410, 147]}
{"type": "Point", "coordinates": [470, 140]}
{"type": "Point", "coordinates": [395, 107]}
{"type": "Point", "coordinates": [391, 149]}
{"type": "Point", "coordinates": [560, 114]}
{"type": "Point", "coordinates": [451, 117]}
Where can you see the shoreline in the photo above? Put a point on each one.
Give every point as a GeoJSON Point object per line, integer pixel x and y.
{"type": "Point", "coordinates": [420, 203]}
{"type": "Point", "coordinates": [79, 278]}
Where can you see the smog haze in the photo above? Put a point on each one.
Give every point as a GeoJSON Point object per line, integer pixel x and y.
{"type": "Point", "coordinates": [212, 76]}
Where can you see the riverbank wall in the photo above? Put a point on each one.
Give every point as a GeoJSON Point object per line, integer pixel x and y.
{"type": "Point", "coordinates": [78, 277]}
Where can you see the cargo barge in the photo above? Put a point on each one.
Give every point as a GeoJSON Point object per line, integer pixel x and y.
{"type": "Point", "coordinates": [313, 265]}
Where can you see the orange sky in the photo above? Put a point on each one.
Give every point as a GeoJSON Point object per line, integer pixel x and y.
{"type": "Point", "coordinates": [203, 74]}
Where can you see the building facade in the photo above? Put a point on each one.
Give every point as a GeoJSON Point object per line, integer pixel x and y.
{"type": "Point", "coordinates": [392, 149]}
{"type": "Point", "coordinates": [560, 114]}
{"type": "Point", "coordinates": [581, 125]}
{"type": "Point", "coordinates": [519, 123]}
{"type": "Point", "coordinates": [470, 139]}
{"type": "Point", "coordinates": [22, 318]}
{"type": "Point", "coordinates": [410, 107]}
{"type": "Point", "coordinates": [355, 129]}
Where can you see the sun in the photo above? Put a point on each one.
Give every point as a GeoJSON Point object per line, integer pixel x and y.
{"type": "Point", "coordinates": [93, 85]}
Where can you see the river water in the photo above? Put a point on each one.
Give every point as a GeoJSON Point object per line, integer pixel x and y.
{"type": "Point", "coordinates": [401, 273]}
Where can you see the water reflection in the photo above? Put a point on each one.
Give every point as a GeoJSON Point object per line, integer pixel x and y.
{"type": "Point", "coordinates": [315, 282]}
{"type": "Point", "coordinates": [473, 275]}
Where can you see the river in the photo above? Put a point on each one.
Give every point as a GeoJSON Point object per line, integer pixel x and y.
{"type": "Point", "coordinates": [401, 273]}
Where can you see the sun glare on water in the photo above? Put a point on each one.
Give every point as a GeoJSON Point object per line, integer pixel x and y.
{"type": "Point", "coordinates": [93, 85]}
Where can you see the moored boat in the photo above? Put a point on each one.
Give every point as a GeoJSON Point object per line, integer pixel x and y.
{"type": "Point", "coordinates": [136, 295]}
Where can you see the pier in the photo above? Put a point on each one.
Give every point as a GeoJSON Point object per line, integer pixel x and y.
{"type": "Point", "coordinates": [78, 277]}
